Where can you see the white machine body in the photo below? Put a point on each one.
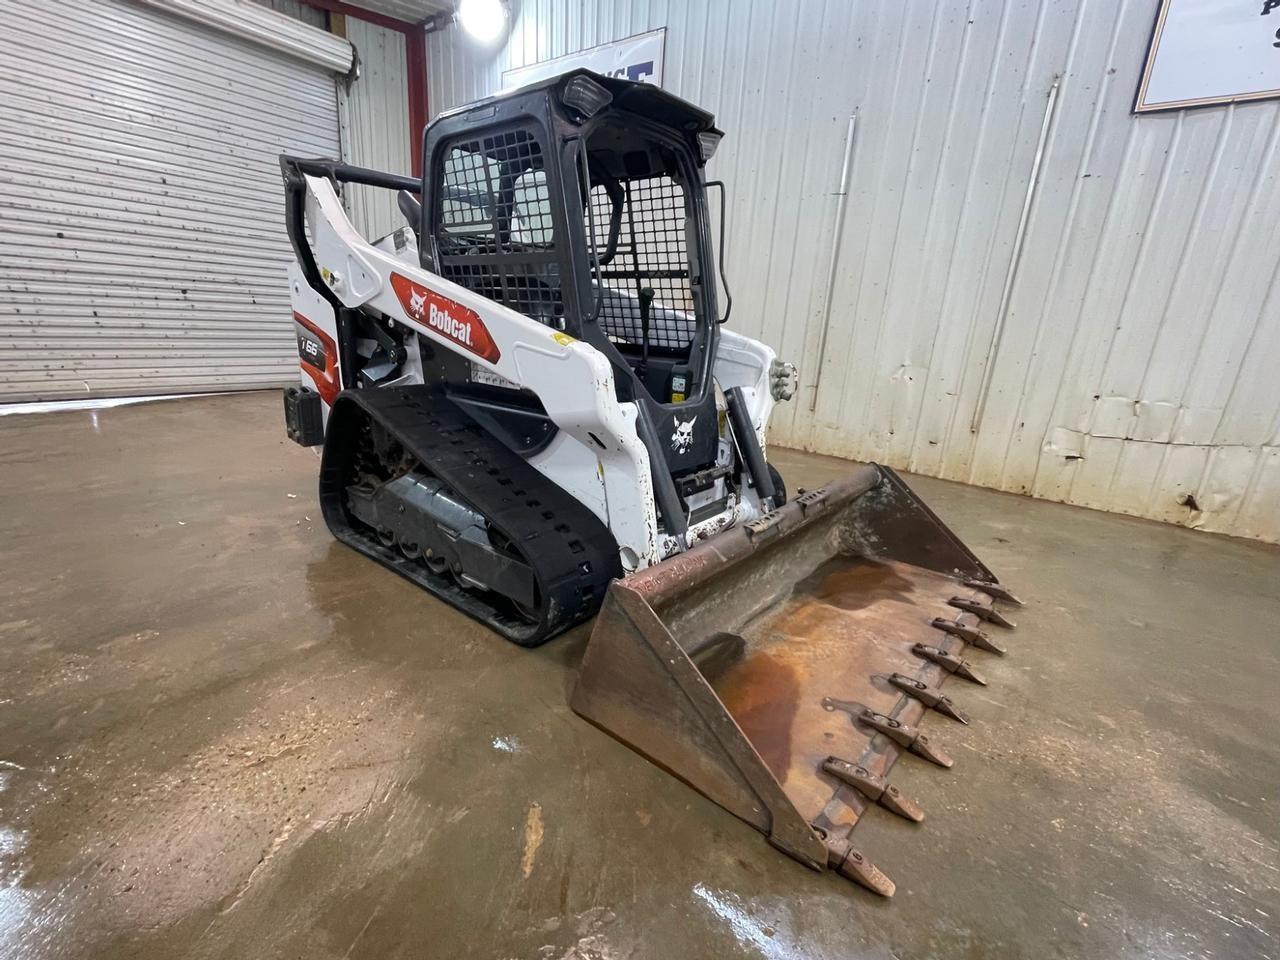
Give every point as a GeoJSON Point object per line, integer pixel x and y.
{"type": "Point", "coordinates": [596, 455]}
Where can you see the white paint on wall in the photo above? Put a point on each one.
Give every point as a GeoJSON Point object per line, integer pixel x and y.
{"type": "Point", "coordinates": [1136, 371]}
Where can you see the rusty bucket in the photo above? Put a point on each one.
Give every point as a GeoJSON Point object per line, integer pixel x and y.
{"type": "Point", "coordinates": [783, 666]}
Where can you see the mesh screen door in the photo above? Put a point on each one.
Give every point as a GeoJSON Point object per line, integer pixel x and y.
{"type": "Point", "coordinates": [652, 251]}
{"type": "Point", "coordinates": [495, 232]}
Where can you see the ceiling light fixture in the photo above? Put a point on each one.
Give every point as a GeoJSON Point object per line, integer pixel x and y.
{"type": "Point", "coordinates": [483, 20]}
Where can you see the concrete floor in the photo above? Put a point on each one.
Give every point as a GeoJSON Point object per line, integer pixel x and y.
{"type": "Point", "coordinates": [221, 734]}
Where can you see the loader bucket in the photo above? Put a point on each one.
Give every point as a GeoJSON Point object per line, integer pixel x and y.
{"type": "Point", "coordinates": [781, 667]}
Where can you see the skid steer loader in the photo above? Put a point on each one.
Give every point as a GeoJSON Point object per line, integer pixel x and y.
{"type": "Point", "coordinates": [530, 407]}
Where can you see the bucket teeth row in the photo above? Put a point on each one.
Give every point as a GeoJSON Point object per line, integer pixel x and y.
{"type": "Point", "coordinates": [905, 735]}
{"type": "Point", "coordinates": [994, 590]}
{"type": "Point", "coordinates": [981, 610]}
{"type": "Point", "coordinates": [948, 661]}
{"type": "Point", "coordinates": [876, 789]}
{"type": "Point", "coordinates": [968, 634]}
{"type": "Point", "coordinates": [931, 698]}
{"type": "Point", "coordinates": [851, 864]}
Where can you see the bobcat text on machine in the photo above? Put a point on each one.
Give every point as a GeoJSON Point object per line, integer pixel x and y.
{"type": "Point", "coordinates": [529, 406]}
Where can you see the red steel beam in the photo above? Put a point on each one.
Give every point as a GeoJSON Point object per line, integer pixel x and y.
{"type": "Point", "coordinates": [415, 44]}
{"type": "Point", "coordinates": [415, 49]}
{"type": "Point", "coordinates": [359, 13]}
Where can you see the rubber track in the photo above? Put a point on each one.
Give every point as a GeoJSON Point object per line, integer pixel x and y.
{"type": "Point", "coordinates": [572, 553]}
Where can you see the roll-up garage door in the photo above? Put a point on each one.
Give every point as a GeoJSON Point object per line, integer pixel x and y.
{"type": "Point", "coordinates": [142, 242]}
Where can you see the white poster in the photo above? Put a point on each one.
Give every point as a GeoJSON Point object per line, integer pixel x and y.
{"type": "Point", "coordinates": [636, 58]}
{"type": "Point", "coordinates": [1212, 51]}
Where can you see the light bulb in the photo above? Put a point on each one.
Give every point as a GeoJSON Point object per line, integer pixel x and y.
{"type": "Point", "coordinates": [483, 20]}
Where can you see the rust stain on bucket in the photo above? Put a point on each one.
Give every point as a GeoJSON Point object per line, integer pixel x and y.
{"type": "Point", "coordinates": [845, 624]}
{"type": "Point", "coordinates": [762, 693]}
{"type": "Point", "coordinates": [856, 585]}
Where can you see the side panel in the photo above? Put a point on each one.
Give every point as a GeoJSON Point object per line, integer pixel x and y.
{"type": "Point", "coordinates": [316, 331]}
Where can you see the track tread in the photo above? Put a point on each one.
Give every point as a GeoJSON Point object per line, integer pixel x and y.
{"type": "Point", "coordinates": [572, 553]}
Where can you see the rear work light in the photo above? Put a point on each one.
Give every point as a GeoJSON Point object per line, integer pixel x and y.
{"type": "Point", "coordinates": [585, 96]}
{"type": "Point", "coordinates": [708, 140]}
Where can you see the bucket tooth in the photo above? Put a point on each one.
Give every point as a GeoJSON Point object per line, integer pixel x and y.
{"type": "Point", "coordinates": [852, 865]}
{"type": "Point", "coordinates": [905, 735]}
{"type": "Point", "coordinates": [948, 661]}
{"type": "Point", "coordinates": [981, 610]}
{"type": "Point", "coordinates": [971, 635]}
{"type": "Point", "coordinates": [931, 698]}
{"type": "Point", "coordinates": [993, 589]}
{"type": "Point", "coordinates": [923, 747]}
{"type": "Point", "coordinates": [876, 789]}
{"type": "Point", "coordinates": [897, 802]}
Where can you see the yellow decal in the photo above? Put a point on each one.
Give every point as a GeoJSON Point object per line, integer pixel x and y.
{"type": "Point", "coordinates": [562, 338]}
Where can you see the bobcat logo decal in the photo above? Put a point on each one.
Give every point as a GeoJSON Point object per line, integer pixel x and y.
{"type": "Point", "coordinates": [445, 318]}
{"type": "Point", "coordinates": [682, 439]}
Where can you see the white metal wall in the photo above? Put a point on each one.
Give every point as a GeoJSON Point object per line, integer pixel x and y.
{"type": "Point", "coordinates": [1136, 370]}
{"type": "Point", "coordinates": [377, 118]}
{"type": "Point", "coordinates": [143, 247]}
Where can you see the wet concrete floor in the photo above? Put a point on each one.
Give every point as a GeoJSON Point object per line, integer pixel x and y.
{"type": "Point", "coordinates": [223, 735]}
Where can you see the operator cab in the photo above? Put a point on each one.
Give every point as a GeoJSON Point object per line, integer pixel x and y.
{"type": "Point", "coordinates": [579, 202]}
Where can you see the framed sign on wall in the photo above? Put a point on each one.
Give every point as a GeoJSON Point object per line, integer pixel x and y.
{"type": "Point", "coordinates": [1211, 51]}
{"type": "Point", "coordinates": [636, 58]}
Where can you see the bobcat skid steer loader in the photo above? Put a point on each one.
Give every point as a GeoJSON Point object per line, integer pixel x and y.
{"type": "Point", "coordinates": [529, 407]}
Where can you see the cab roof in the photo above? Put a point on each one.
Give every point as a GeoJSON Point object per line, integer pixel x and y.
{"type": "Point", "coordinates": [643, 99]}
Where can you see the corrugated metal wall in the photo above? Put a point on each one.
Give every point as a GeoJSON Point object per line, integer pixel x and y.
{"type": "Point", "coordinates": [373, 111]}
{"type": "Point", "coordinates": [1135, 372]}
{"type": "Point", "coordinates": [143, 248]}
{"type": "Point", "coordinates": [311, 16]}
{"type": "Point", "coordinates": [377, 118]}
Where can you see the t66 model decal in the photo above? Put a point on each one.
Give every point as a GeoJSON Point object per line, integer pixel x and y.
{"type": "Point", "coordinates": [318, 357]}
{"type": "Point", "coordinates": [446, 317]}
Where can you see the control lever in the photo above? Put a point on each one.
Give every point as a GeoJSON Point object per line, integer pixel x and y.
{"type": "Point", "coordinates": [646, 302]}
